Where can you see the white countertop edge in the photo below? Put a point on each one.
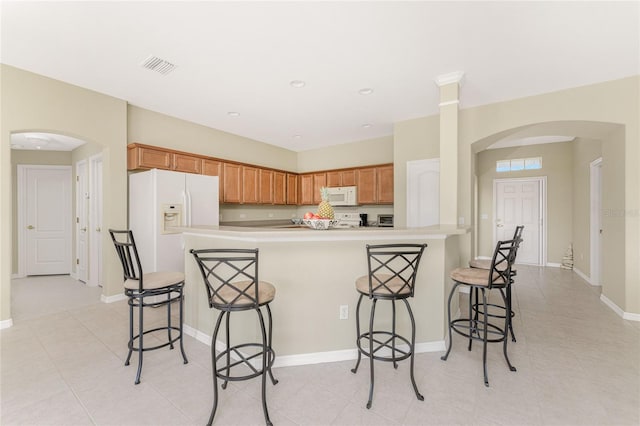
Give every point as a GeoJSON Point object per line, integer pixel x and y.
{"type": "Point", "coordinates": [290, 235]}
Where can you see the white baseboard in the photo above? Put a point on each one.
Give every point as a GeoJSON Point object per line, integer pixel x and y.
{"type": "Point", "coordinates": [6, 324]}
{"type": "Point", "coordinates": [314, 357]}
{"type": "Point", "coordinates": [615, 308]}
{"type": "Point", "coordinates": [111, 299]}
{"type": "Point", "coordinates": [554, 265]}
{"type": "Point", "coordinates": [15, 276]}
{"type": "Point", "coordinates": [584, 277]}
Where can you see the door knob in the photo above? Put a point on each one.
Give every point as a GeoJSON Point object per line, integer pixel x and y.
{"type": "Point", "coordinates": [499, 225]}
{"type": "Point", "coordinates": [30, 227]}
{"type": "Point", "coordinates": [84, 229]}
{"type": "Point", "coordinates": [98, 229]}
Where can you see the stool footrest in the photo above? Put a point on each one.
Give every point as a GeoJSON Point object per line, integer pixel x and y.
{"type": "Point", "coordinates": [397, 354]}
{"type": "Point", "coordinates": [237, 359]}
{"type": "Point", "coordinates": [464, 327]}
{"type": "Point", "coordinates": [170, 342]}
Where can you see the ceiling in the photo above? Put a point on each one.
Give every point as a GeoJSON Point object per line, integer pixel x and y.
{"type": "Point", "coordinates": [241, 57]}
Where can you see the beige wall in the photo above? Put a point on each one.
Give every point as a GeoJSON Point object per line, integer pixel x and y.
{"type": "Point", "coordinates": [584, 152]}
{"type": "Point", "coordinates": [31, 102]}
{"type": "Point", "coordinates": [157, 129]}
{"type": "Point", "coordinates": [557, 167]}
{"type": "Point", "coordinates": [362, 153]}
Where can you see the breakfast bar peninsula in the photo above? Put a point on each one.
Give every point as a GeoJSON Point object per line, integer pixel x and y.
{"type": "Point", "coordinates": [314, 272]}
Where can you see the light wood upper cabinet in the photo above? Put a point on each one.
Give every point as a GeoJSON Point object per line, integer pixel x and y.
{"type": "Point", "coordinates": [306, 189]}
{"type": "Point", "coordinates": [232, 192]}
{"type": "Point", "coordinates": [319, 180]}
{"type": "Point", "coordinates": [384, 180]}
{"type": "Point", "coordinates": [366, 182]}
{"type": "Point", "coordinates": [215, 168]}
{"type": "Point", "coordinates": [348, 177]}
{"type": "Point", "coordinates": [265, 186]}
{"type": "Point", "coordinates": [142, 157]}
{"type": "Point", "coordinates": [334, 178]}
{"type": "Point", "coordinates": [187, 163]}
{"type": "Point", "coordinates": [292, 188]}
{"type": "Point", "coordinates": [250, 185]}
{"type": "Point", "coordinates": [279, 188]}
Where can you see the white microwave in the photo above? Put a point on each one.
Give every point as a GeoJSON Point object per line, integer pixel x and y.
{"type": "Point", "coordinates": [343, 196]}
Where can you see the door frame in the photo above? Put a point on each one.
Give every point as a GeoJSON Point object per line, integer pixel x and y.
{"type": "Point", "coordinates": [22, 211]}
{"type": "Point", "coordinates": [95, 210]}
{"type": "Point", "coordinates": [595, 221]}
{"type": "Point", "coordinates": [542, 205]}
{"type": "Point", "coordinates": [82, 217]}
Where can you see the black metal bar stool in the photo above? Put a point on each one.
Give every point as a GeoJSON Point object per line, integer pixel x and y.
{"type": "Point", "coordinates": [231, 279]}
{"type": "Point", "coordinates": [497, 277]}
{"type": "Point", "coordinates": [392, 276]}
{"type": "Point", "coordinates": [139, 286]}
{"type": "Point", "coordinates": [504, 293]}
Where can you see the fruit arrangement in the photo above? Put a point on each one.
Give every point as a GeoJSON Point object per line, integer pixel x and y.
{"type": "Point", "coordinates": [324, 218]}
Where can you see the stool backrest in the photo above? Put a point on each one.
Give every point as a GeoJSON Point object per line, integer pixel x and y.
{"type": "Point", "coordinates": [393, 268]}
{"type": "Point", "coordinates": [502, 262]}
{"type": "Point", "coordinates": [128, 254]}
{"type": "Point", "coordinates": [230, 277]}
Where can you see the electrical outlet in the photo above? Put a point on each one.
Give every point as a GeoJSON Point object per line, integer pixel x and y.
{"type": "Point", "coordinates": [344, 312]}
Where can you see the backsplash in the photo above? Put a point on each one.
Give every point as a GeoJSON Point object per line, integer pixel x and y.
{"type": "Point", "coordinates": [236, 213]}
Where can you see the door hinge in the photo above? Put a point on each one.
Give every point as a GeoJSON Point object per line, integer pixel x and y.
{"type": "Point", "coordinates": [77, 220]}
{"type": "Point", "coordinates": [77, 261]}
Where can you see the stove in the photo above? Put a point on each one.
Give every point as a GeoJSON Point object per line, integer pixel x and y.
{"type": "Point", "coordinates": [347, 220]}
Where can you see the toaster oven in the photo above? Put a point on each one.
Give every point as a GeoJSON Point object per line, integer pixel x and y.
{"type": "Point", "coordinates": [385, 220]}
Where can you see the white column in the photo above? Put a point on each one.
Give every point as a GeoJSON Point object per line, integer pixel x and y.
{"type": "Point", "coordinates": [449, 85]}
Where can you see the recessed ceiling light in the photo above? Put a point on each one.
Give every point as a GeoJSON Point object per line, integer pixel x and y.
{"type": "Point", "coordinates": [233, 113]}
{"type": "Point", "coordinates": [366, 91]}
{"type": "Point", "coordinates": [297, 84]}
{"type": "Point", "coordinates": [366, 125]}
{"type": "Point", "coordinates": [297, 136]}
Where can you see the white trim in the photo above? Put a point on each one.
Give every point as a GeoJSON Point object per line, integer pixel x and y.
{"type": "Point", "coordinates": [313, 357]}
{"type": "Point", "coordinates": [615, 308]}
{"type": "Point", "coordinates": [6, 324]}
{"type": "Point", "coordinates": [553, 265]}
{"type": "Point", "coordinates": [456, 102]}
{"type": "Point", "coordinates": [595, 204]}
{"type": "Point", "coordinates": [542, 182]}
{"type": "Point", "coordinates": [14, 276]}
{"type": "Point", "coordinates": [449, 78]}
{"type": "Point", "coordinates": [112, 299]}
{"type": "Point", "coordinates": [584, 276]}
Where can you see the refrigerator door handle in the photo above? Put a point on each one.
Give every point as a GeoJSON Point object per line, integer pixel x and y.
{"type": "Point", "coordinates": [187, 211]}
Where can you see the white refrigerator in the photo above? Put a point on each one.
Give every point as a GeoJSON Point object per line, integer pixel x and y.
{"type": "Point", "coordinates": [159, 199]}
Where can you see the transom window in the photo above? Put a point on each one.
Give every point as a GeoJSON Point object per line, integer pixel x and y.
{"type": "Point", "coordinates": [518, 164]}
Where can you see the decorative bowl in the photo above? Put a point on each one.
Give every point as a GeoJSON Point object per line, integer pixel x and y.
{"type": "Point", "coordinates": [320, 223]}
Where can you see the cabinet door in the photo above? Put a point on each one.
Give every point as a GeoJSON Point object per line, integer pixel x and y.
{"type": "Point", "coordinates": [279, 188]}
{"type": "Point", "coordinates": [214, 168]}
{"type": "Point", "coordinates": [232, 183]}
{"type": "Point", "coordinates": [366, 179]}
{"type": "Point", "coordinates": [348, 177]}
{"type": "Point", "coordinates": [265, 186]}
{"type": "Point", "coordinates": [319, 180]}
{"type": "Point", "coordinates": [334, 178]}
{"type": "Point", "coordinates": [306, 189]}
{"type": "Point", "coordinates": [187, 163]}
{"type": "Point", "coordinates": [140, 157]}
{"type": "Point", "coordinates": [292, 188]}
{"type": "Point", "coordinates": [250, 185]}
{"type": "Point", "coordinates": [384, 179]}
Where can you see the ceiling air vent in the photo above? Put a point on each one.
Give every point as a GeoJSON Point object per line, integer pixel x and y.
{"type": "Point", "coordinates": [154, 63]}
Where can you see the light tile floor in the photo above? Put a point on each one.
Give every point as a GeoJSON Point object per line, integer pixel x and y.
{"type": "Point", "coordinates": [578, 363]}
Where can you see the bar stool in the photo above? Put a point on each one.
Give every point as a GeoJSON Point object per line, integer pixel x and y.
{"type": "Point", "coordinates": [392, 276]}
{"type": "Point", "coordinates": [231, 280]}
{"type": "Point", "coordinates": [139, 286]}
{"type": "Point", "coordinates": [497, 277]}
{"type": "Point", "coordinates": [486, 264]}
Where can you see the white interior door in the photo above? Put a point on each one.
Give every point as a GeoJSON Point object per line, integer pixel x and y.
{"type": "Point", "coordinates": [95, 221]}
{"type": "Point", "coordinates": [423, 192]}
{"type": "Point", "coordinates": [519, 202]}
{"type": "Point", "coordinates": [46, 219]}
{"type": "Point", "coordinates": [82, 220]}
